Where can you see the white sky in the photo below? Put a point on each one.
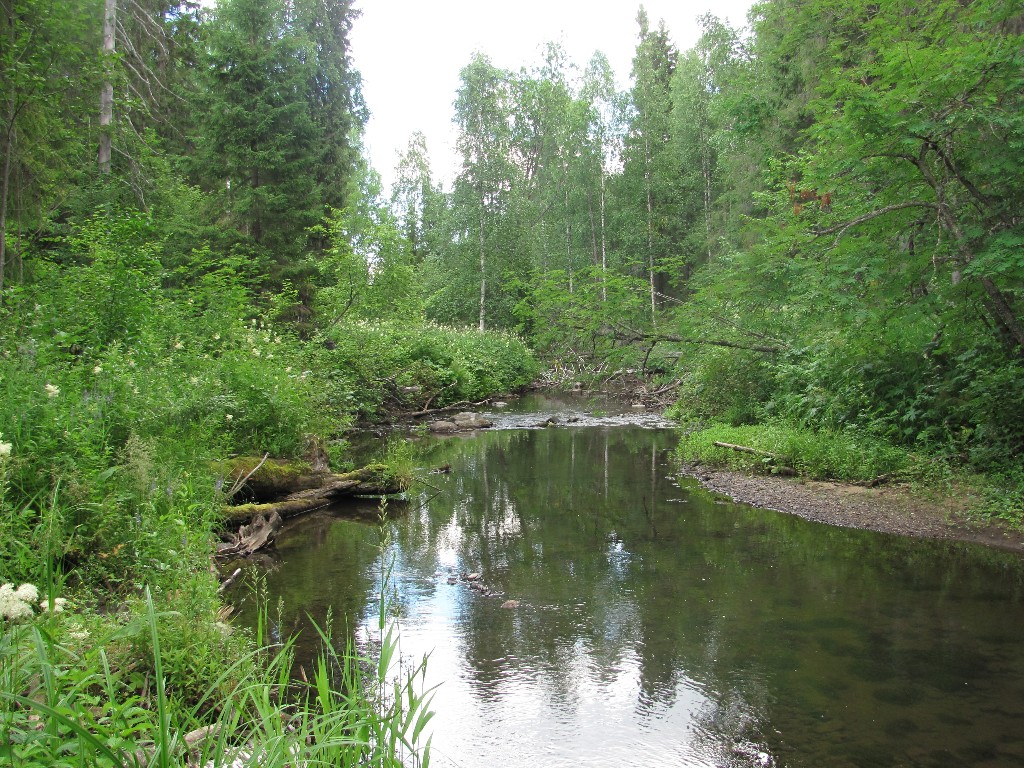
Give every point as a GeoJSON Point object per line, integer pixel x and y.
{"type": "Point", "coordinates": [409, 53]}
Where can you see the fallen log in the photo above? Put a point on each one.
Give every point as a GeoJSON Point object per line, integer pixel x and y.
{"type": "Point", "coordinates": [779, 469]}
{"type": "Point", "coordinates": [743, 449]}
{"type": "Point", "coordinates": [448, 408]}
{"type": "Point", "coordinates": [875, 481]}
{"type": "Point", "coordinates": [373, 479]}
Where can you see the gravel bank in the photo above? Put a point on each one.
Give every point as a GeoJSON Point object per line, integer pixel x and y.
{"type": "Point", "coordinates": [890, 509]}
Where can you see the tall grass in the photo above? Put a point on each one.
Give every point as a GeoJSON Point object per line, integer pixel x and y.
{"type": "Point", "coordinates": [849, 454]}
{"type": "Point", "coordinates": [61, 708]}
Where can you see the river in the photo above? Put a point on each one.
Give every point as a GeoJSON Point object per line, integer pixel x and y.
{"type": "Point", "coordinates": [657, 624]}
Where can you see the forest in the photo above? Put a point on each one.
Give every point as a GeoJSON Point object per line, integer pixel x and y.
{"type": "Point", "coordinates": [807, 230]}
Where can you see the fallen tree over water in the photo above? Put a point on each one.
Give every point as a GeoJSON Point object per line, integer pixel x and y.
{"type": "Point", "coordinates": [298, 490]}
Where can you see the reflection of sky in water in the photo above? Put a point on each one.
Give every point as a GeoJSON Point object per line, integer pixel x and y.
{"type": "Point", "coordinates": [580, 698]}
{"type": "Point", "coordinates": [658, 627]}
{"type": "Point", "coordinates": [524, 710]}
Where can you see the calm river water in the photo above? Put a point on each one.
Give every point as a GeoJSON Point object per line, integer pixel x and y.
{"type": "Point", "coordinates": [660, 626]}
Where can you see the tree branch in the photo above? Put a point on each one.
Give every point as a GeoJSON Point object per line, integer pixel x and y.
{"type": "Point", "coordinates": [655, 338]}
{"type": "Point", "coordinates": [842, 228]}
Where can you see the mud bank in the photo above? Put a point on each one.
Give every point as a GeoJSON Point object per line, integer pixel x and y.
{"type": "Point", "coordinates": [889, 509]}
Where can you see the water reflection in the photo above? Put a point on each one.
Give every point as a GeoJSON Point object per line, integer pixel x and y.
{"type": "Point", "coordinates": [657, 625]}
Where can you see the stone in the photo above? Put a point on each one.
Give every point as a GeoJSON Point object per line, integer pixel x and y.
{"type": "Point", "coordinates": [470, 420]}
{"type": "Point", "coordinates": [443, 426]}
{"type": "Point", "coordinates": [509, 604]}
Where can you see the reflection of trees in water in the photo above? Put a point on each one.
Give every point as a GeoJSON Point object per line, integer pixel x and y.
{"type": "Point", "coordinates": [757, 622]}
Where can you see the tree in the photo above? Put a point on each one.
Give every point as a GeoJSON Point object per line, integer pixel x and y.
{"type": "Point", "coordinates": [484, 190]}
{"type": "Point", "coordinates": [927, 153]}
{"type": "Point", "coordinates": [605, 144]}
{"type": "Point", "coordinates": [647, 173]}
{"type": "Point", "coordinates": [259, 147]}
{"type": "Point", "coordinates": [703, 73]}
{"type": "Point", "coordinates": [48, 76]}
{"type": "Point", "coordinates": [367, 271]}
{"type": "Point", "coordinates": [334, 91]}
{"type": "Point", "coordinates": [417, 202]}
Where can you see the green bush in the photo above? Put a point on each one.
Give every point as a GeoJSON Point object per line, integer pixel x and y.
{"type": "Point", "coordinates": [724, 385]}
{"type": "Point", "coordinates": [376, 366]}
{"type": "Point", "coordinates": [115, 394]}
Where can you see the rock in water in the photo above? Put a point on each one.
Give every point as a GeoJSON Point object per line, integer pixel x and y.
{"type": "Point", "coordinates": [470, 420]}
{"type": "Point", "coordinates": [509, 604]}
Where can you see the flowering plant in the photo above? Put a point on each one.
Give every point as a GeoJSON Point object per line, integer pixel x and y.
{"type": "Point", "coordinates": [18, 604]}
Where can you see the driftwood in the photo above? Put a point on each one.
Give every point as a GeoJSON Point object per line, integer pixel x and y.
{"type": "Point", "coordinates": [252, 537]}
{"type": "Point", "coordinates": [875, 481]}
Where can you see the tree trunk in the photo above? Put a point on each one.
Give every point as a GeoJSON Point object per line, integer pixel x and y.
{"type": "Point", "coordinates": [5, 185]}
{"type": "Point", "coordinates": [330, 488]}
{"type": "Point", "coordinates": [650, 234]}
{"type": "Point", "coordinates": [604, 243]}
{"type": "Point", "coordinates": [483, 268]}
{"type": "Point", "coordinates": [107, 93]}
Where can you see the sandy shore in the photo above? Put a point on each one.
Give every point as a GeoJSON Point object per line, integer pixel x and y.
{"type": "Point", "coordinates": [890, 509]}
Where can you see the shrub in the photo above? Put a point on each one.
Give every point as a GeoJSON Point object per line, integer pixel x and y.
{"type": "Point", "coordinates": [391, 365]}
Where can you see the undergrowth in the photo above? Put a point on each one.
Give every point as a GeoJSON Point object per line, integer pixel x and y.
{"type": "Point", "coordinates": [70, 697]}
{"type": "Point", "coordinates": [819, 454]}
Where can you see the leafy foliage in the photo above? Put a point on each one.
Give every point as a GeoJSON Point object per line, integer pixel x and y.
{"type": "Point", "coordinates": [396, 365]}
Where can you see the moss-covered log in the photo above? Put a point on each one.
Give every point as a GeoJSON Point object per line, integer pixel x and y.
{"type": "Point", "coordinates": [315, 490]}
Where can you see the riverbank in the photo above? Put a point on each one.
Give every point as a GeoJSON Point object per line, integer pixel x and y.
{"type": "Point", "coordinates": [888, 509]}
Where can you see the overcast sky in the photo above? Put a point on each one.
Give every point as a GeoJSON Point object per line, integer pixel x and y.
{"type": "Point", "coordinates": [410, 52]}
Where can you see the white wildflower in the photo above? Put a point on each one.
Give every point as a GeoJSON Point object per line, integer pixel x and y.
{"type": "Point", "coordinates": [58, 604]}
{"type": "Point", "coordinates": [52, 390]}
{"type": "Point", "coordinates": [15, 610]}
{"type": "Point", "coordinates": [5, 449]}
{"type": "Point", "coordinates": [179, 345]}
{"type": "Point", "coordinates": [216, 337]}
{"type": "Point", "coordinates": [12, 606]}
{"type": "Point", "coordinates": [27, 593]}
{"type": "Point", "coordinates": [256, 352]}
{"type": "Point", "coordinates": [228, 417]}
{"type": "Point", "coordinates": [98, 369]}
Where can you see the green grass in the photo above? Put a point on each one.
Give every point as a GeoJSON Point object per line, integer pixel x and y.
{"type": "Point", "coordinates": [853, 456]}
{"type": "Point", "coordinates": [65, 701]}
{"type": "Point", "coordinates": [847, 455]}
